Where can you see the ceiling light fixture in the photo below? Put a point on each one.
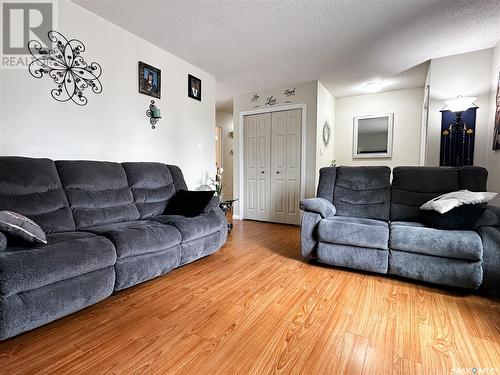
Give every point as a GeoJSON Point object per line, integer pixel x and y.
{"type": "Point", "coordinates": [374, 86]}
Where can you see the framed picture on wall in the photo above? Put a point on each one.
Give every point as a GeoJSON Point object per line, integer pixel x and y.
{"type": "Point", "coordinates": [496, 134]}
{"type": "Point", "coordinates": [194, 87]}
{"type": "Point", "coordinates": [149, 80]}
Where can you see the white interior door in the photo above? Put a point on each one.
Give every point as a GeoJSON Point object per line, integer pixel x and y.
{"type": "Point", "coordinates": [250, 163]}
{"type": "Point", "coordinates": [293, 163]}
{"type": "Point", "coordinates": [263, 166]}
{"type": "Point", "coordinates": [257, 166]}
{"type": "Point", "coordinates": [272, 159]}
{"type": "Point", "coordinates": [285, 166]}
{"type": "Point", "coordinates": [278, 166]}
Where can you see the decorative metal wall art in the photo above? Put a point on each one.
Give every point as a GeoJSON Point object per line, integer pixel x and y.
{"type": "Point", "coordinates": [458, 130]}
{"type": "Point", "coordinates": [271, 101]}
{"type": "Point", "coordinates": [154, 114]}
{"type": "Point", "coordinates": [255, 98]}
{"type": "Point", "coordinates": [65, 65]}
{"type": "Point", "coordinates": [289, 92]}
{"type": "Point", "coordinates": [327, 132]}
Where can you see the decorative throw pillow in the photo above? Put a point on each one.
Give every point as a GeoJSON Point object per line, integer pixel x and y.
{"type": "Point", "coordinates": [189, 203]}
{"type": "Point", "coordinates": [20, 226]}
{"type": "Point", "coordinates": [447, 202]}
{"type": "Point", "coordinates": [460, 218]}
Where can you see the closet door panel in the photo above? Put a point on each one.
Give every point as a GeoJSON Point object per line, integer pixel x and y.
{"type": "Point", "coordinates": [272, 166]}
{"type": "Point", "coordinates": [278, 166]}
{"type": "Point", "coordinates": [293, 161]}
{"type": "Point", "coordinates": [250, 165]}
{"type": "Point", "coordinates": [263, 166]}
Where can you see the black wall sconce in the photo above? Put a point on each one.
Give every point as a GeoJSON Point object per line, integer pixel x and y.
{"type": "Point", "coordinates": [153, 113]}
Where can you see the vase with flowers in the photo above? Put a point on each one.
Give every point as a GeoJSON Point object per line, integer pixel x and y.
{"type": "Point", "coordinates": [217, 182]}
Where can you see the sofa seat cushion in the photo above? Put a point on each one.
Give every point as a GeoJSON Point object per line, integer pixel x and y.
{"type": "Point", "coordinates": [418, 238]}
{"type": "Point", "coordinates": [138, 237]}
{"type": "Point", "coordinates": [66, 255]}
{"type": "Point", "coordinates": [192, 228]}
{"type": "Point", "coordinates": [354, 231]}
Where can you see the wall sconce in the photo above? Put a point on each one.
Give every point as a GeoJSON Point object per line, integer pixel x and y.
{"type": "Point", "coordinates": [460, 103]}
{"type": "Point", "coordinates": [153, 113]}
{"type": "Point", "coordinates": [458, 128]}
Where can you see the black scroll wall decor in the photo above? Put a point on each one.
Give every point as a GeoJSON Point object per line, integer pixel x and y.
{"type": "Point", "coordinates": [271, 101]}
{"type": "Point", "coordinates": [458, 131]}
{"type": "Point", "coordinates": [65, 65]}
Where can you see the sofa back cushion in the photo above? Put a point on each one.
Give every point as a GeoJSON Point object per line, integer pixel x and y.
{"type": "Point", "coordinates": [178, 177]}
{"type": "Point", "coordinates": [31, 187]}
{"type": "Point", "coordinates": [363, 192]}
{"type": "Point", "coordinates": [326, 183]}
{"type": "Point", "coordinates": [413, 186]}
{"type": "Point", "coordinates": [98, 192]}
{"type": "Point", "coordinates": [152, 186]}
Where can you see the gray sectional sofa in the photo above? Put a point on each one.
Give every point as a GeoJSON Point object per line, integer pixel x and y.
{"type": "Point", "coordinates": [106, 231]}
{"type": "Point", "coordinates": [360, 220]}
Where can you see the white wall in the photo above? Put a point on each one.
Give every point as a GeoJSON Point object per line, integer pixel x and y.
{"type": "Point", "coordinates": [493, 157]}
{"type": "Point", "coordinates": [225, 121]}
{"type": "Point", "coordinates": [305, 93]}
{"type": "Point", "coordinates": [425, 117]}
{"type": "Point", "coordinates": [467, 74]}
{"type": "Point", "coordinates": [113, 125]}
{"type": "Point", "coordinates": [325, 112]}
{"type": "Point", "coordinates": [407, 108]}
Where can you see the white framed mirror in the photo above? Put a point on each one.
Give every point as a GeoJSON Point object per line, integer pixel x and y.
{"type": "Point", "coordinates": [372, 137]}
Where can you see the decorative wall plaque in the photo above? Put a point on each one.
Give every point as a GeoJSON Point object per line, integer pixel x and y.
{"type": "Point", "coordinates": [65, 65]}
{"type": "Point", "coordinates": [271, 101]}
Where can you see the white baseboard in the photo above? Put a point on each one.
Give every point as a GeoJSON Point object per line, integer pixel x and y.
{"type": "Point", "coordinates": [236, 217]}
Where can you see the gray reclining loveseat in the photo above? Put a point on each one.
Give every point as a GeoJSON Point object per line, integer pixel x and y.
{"type": "Point", "coordinates": [359, 220]}
{"type": "Point", "coordinates": [106, 231]}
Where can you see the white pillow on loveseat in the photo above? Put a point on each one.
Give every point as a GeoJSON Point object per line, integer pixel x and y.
{"type": "Point", "coordinates": [449, 201]}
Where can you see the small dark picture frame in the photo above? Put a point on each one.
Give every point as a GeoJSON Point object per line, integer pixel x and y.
{"type": "Point", "coordinates": [149, 80]}
{"type": "Point", "coordinates": [194, 87]}
{"type": "Point", "coordinates": [496, 134]}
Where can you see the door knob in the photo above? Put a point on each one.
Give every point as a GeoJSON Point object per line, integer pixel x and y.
{"type": "Point", "coordinates": [261, 171]}
{"type": "Point", "coordinates": [278, 172]}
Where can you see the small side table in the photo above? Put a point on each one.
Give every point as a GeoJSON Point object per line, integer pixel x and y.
{"type": "Point", "coordinates": [226, 205]}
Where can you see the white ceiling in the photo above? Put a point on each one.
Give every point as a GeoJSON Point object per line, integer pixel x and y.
{"type": "Point", "coordinates": [251, 45]}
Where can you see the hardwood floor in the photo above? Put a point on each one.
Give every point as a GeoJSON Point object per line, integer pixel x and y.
{"type": "Point", "coordinates": [255, 307]}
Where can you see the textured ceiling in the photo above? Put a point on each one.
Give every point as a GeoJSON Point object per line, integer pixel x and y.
{"type": "Point", "coordinates": [251, 45]}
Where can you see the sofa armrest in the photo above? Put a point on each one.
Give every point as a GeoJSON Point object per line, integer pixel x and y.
{"type": "Point", "coordinates": [490, 236]}
{"type": "Point", "coordinates": [490, 218]}
{"type": "Point", "coordinates": [214, 203]}
{"type": "Point", "coordinates": [320, 206]}
{"type": "Point", "coordinates": [3, 242]}
{"type": "Point", "coordinates": [308, 235]}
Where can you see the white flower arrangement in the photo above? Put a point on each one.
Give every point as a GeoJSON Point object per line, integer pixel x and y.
{"type": "Point", "coordinates": [217, 182]}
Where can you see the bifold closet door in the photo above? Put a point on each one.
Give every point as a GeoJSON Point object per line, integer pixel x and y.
{"type": "Point", "coordinates": [285, 166]}
{"type": "Point", "coordinates": [272, 150]}
{"type": "Point", "coordinates": [257, 164]}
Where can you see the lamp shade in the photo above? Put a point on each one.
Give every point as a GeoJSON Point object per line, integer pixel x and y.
{"type": "Point", "coordinates": [460, 103]}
